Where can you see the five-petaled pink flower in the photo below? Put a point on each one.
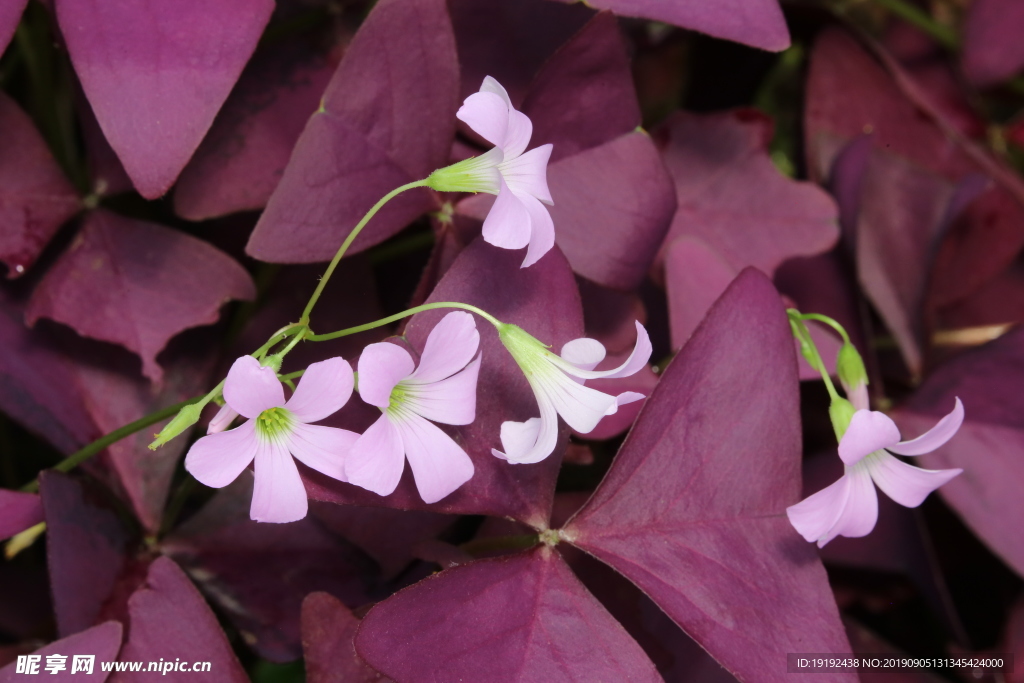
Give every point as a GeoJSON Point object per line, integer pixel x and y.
{"type": "Point", "coordinates": [518, 218]}
{"type": "Point", "coordinates": [442, 389]}
{"type": "Point", "coordinates": [849, 507]}
{"type": "Point", "coordinates": [275, 431]}
{"type": "Point", "coordinates": [556, 382]}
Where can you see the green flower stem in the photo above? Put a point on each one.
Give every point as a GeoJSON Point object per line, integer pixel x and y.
{"type": "Point", "coordinates": [830, 322]}
{"type": "Point", "coordinates": [348, 242]}
{"type": "Point", "coordinates": [404, 314]}
{"type": "Point", "coordinates": [801, 332]}
{"type": "Point", "coordinates": [83, 454]}
{"type": "Point", "coordinates": [943, 34]}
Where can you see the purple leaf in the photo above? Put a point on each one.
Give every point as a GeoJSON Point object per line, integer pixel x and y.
{"type": "Point", "coordinates": [240, 162]}
{"type": "Point", "coordinates": [1013, 640]}
{"type": "Point", "coordinates": [10, 15]}
{"type": "Point", "coordinates": [169, 620]}
{"type": "Point", "coordinates": [695, 276]}
{"type": "Point", "coordinates": [992, 51]}
{"type": "Point", "coordinates": [102, 642]}
{"type": "Point", "coordinates": [18, 511]}
{"type": "Point", "coordinates": [543, 300]}
{"type": "Point", "coordinates": [156, 74]}
{"type": "Point", "coordinates": [87, 550]}
{"type": "Point", "coordinates": [137, 284]}
{"type": "Point", "coordinates": [990, 444]}
{"type": "Point", "coordinates": [387, 118]}
{"type": "Point", "coordinates": [522, 617]}
{"type": "Point", "coordinates": [258, 574]}
{"type": "Point", "coordinates": [328, 631]}
{"type": "Point", "coordinates": [35, 197]}
{"type": "Point", "coordinates": [693, 508]}
{"type": "Point", "coordinates": [758, 23]}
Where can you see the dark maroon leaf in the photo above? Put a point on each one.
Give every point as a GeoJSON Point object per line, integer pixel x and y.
{"type": "Point", "coordinates": [610, 316]}
{"type": "Point", "coordinates": [693, 508]}
{"type": "Point", "coordinates": [990, 444]}
{"type": "Point", "coordinates": [992, 50]}
{"type": "Point", "coordinates": [170, 621]}
{"type": "Point", "coordinates": [137, 284]}
{"type": "Point", "coordinates": [1013, 640]}
{"type": "Point", "coordinates": [18, 511]}
{"type": "Point", "coordinates": [999, 302]}
{"type": "Point", "coordinates": [105, 170]}
{"type": "Point", "coordinates": [102, 642]}
{"type": "Point", "coordinates": [328, 631]}
{"type": "Point", "coordinates": [86, 546]}
{"type": "Point", "coordinates": [240, 162]}
{"type": "Point", "coordinates": [10, 14]}
{"type": "Point", "coordinates": [156, 74]}
{"type": "Point", "coordinates": [759, 23]}
{"type": "Point", "coordinates": [258, 574]}
{"type": "Point", "coordinates": [387, 118]}
{"type": "Point", "coordinates": [642, 382]}
{"type": "Point", "coordinates": [695, 276]}
{"type": "Point", "coordinates": [543, 300]}
{"type": "Point", "coordinates": [35, 197]}
{"type": "Point", "coordinates": [523, 617]}
{"type": "Point", "coordinates": [866, 643]}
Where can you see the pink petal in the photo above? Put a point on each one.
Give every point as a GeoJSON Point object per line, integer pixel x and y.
{"type": "Point", "coordinates": [222, 420]}
{"type": "Point", "coordinates": [816, 514]}
{"type": "Point", "coordinates": [627, 397]}
{"type": "Point", "coordinates": [531, 441]}
{"type": "Point", "coordinates": [519, 437]}
{"type": "Point", "coordinates": [517, 137]}
{"type": "Point", "coordinates": [858, 396]}
{"type": "Point", "coordinates": [906, 484]}
{"type": "Point", "coordinates": [491, 85]}
{"type": "Point", "coordinates": [377, 458]}
{"type": "Point", "coordinates": [278, 495]}
{"type": "Point", "coordinates": [635, 363]}
{"type": "Point", "coordinates": [942, 432]}
{"type": "Point", "coordinates": [217, 459]}
{"type": "Point", "coordinates": [450, 346]}
{"type": "Point", "coordinates": [438, 464]}
{"type": "Point", "coordinates": [322, 448]}
{"type": "Point", "coordinates": [528, 173]}
{"type": "Point", "coordinates": [868, 432]}
{"type": "Point", "coordinates": [581, 407]}
{"type": "Point", "coordinates": [487, 114]}
{"type": "Point", "coordinates": [451, 401]}
{"type": "Point", "coordinates": [381, 367]}
{"type": "Point", "coordinates": [508, 223]}
{"type": "Point", "coordinates": [251, 388]}
{"type": "Point", "coordinates": [324, 388]}
{"type": "Point", "coordinates": [861, 510]}
{"type": "Point", "coordinates": [584, 353]}
{"type": "Point", "coordinates": [542, 230]}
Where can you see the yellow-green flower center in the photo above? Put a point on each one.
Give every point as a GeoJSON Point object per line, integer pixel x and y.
{"type": "Point", "coordinates": [274, 422]}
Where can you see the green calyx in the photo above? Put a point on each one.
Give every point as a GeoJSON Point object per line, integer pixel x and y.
{"type": "Point", "coordinates": [185, 418]}
{"type": "Point", "coordinates": [476, 174]}
{"type": "Point", "coordinates": [850, 367]}
{"type": "Point", "coordinates": [274, 423]}
{"type": "Point", "coordinates": [841, 411]}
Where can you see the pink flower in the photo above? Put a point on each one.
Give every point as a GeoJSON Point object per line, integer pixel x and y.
{"type": "Point", "coordinates": [441, 389]}
{"type": "Point", "coordinates": [222, 420]}
{"type": "Point", "coordinates": [849, 507]}
{"type": "Point", "coordinates": [275, 431]}
{"type": "Point", "coordinates": [557, 383]}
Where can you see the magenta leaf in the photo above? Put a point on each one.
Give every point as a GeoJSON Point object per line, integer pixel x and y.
{"type": "Point", "coordinates": [170, 621]}
{"type": "Point", "coordinates": [102, 642]}
{"type": "Point", "coordinates": [35, 197]}
{"type": "Point", "coordinates": [758, 23]}
{"type": "Point", "coordinates": [18, 511]}
{"type": "Point", "coordinates": [137, 284]}
{"type": "Point", "coordinates": [693, 508]}
{"type": "Point", "coordinates": [156, 74]}
{"type": "Point", "coordinates": [87, 550]}
{"type": "Point", "coordinates": [522, 617]}
{"type": "Point", "coordinates": [990, 444]}
{"type": "Point", "coordinates": [542, 299]}
{"type": "Point", "coordinates": [240, 162]}
{"type": "Point", "coordinates": [328, 631]}
{"type": "Point", "coordinates": [258, 574]}
{"type": "Point", "coordinates": [387, 119]}
{"type": "Point", "coordinates": [10, 14]}
{"type": "Point", "coordinates": [992, 51]}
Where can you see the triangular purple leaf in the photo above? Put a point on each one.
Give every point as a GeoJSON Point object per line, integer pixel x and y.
{"type": "Point", "coordinates": [328, 631]}
{"type": "Point", "coordinates": [992, 50]}
{"type": "Point", "coordinates": [18, 511]}
{"type": "Point", "coordinates": [10, 14]}
{"type": "Point", "coordinates": [102, 642]}
{"type": "Point", "coordinates": [693, 508]}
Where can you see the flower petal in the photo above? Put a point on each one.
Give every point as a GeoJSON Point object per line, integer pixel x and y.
{"type": "Point", "coordinates": [491, 85]}
{"type": "Point", "coordinates": [581, 407]}
{"type": "Point", "coordinates": [450, 401]}
{"type": "Point", "coordinates": [517, 137]}
{"type": "Point", "coordinates": [868, 432]}
{"type": "Point", "coordinates": [635, 363]}
{"type": "Point", "coordinates": [858, 396]}
{"type": "Point", "coordinates": [942, 432]}
{"type": "Point", "coordinates": [816, 514]}
{"type": "Point", "coordinates": [542, 230]}
{"type": "Point", "coordinates": [487, 114]}
{"type": "Point", "coordinates": [438, 464]}
{"type": "Point", "coordinates": [251, 388]}
{"type": "Point", "coordinates": [531, 441]}
{"type": "Point", "coordinates": [216, 460]}
{"type": "Point", "coordinates": [584, 353]}
{"type": "Point", "coordinates": [222, 420]}
{"type": "Point", "coordinates": [322, 448]}
{"type": "Point", "coordinates": [625, 398]}
{"type": "Point", "coordinates": [278, 495]}
{"type": "Point", "coordinates": [381, 367]}
{"type": "Point", "coordinates": [860, 513]}
{"type": "Point", "coordinates": [377, 458]}
{"type": "Point", "coordinates": [324, 388]}
{"type": "Point", "coordinates": [906, 484]}
{"type": "Point", "coordinates": [508, 223]}
{"type": "Point", "coordinates": [528, 173]}
{"type": "Point", "coordinates": [450, 346]}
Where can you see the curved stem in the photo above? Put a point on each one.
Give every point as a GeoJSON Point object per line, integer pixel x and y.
{"type": "Point", "coordinates": [404, 314]}
{"type": "Point", "coordinates": [804, 335]}
{"type": "Point", "coordinates": [348, 242]}
{"type": "Point", "coordinates": [830, 322]}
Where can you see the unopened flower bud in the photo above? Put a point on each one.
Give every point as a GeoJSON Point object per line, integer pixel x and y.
{"type": "Point", "coordinates": [841, 411]}
{"type": "Point", "coordinates": [185, 418]}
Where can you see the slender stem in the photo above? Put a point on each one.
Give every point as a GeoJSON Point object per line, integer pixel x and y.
{"type": "Point", "coordinates": [830, 322]}
{"type": "Point", "coordinates": [83, 454]}
{"type": "Point", "coordinates": [277, 337]}
{"type": "Point", "coordinates": [404, 314]}
{"type": "Point", "coordinates": [804, 335]}
{"type": "Point", "coordinates": [291, 375]}
{"type": "Point", "coordinates": [922, 20]}
{"type": "Point", "coordinates": [351, 238]}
